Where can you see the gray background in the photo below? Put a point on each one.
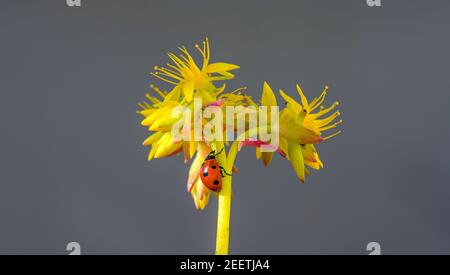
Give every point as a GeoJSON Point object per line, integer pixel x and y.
{"type": "Point", "coordinates": [72, 167]}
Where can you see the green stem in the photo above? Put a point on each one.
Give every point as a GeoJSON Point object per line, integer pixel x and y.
{"type": "Point", "coordinates": [224, 206]}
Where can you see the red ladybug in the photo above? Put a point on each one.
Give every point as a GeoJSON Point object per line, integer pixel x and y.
{"type": "Point", "coordinates": [212, 173]}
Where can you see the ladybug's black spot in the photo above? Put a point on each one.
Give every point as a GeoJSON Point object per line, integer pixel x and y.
{"type": "Point", "coordinates": [216, 182]}
{"type": "Point", "coordinates": [214, 167]}
{"type": "Point", "coordinates": [205, 174]}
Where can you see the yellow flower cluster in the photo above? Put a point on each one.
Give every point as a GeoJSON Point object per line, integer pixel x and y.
{"type": "Point", "coordinates": [301, 123]}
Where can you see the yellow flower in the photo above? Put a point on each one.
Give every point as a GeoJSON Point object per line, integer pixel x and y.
{"type": "Point", "coordinates": [300, 128]}
{"type": "Point", "coordinates": [189, 81]}
{"type": "Point", "coordinates": [299, 123]}
{"type": "Point", "coordinates": [190, 78]}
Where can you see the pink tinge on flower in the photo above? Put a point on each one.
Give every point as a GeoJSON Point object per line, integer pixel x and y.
{"type": "Point", "coordinates": [319, 140]}
{"type": "Point", "coordinates": [194, 170]}
{"type": "Point", "coordinates": [186, 130]}
{"type": "Point", "coordinates": [216, 103]}
{"type": "Point", "coordinates": [310, 158]}
{"type": "Point", "coordinates": [259, 143]}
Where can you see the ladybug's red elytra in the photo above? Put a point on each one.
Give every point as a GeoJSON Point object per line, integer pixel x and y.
{"type": "Point", "coordinates": [212, 173]}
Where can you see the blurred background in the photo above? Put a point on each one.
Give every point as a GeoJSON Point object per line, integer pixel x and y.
{"type": "Point", "coordinates": [72, 167]}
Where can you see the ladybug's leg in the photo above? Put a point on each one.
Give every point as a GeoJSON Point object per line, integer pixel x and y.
{"type": "Point", "coordinates": [219, 152]}
{"type": "Point", "coordinates": [223, 171]}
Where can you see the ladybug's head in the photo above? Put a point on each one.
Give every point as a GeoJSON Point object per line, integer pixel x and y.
{"type": "Point", "coordinates": [211, 155]}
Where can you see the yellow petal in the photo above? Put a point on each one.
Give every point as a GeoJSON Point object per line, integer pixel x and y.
{"type": "Point", "coordinates": [164, 111]}
{"type": "Point", "coordinates": [188, 90]}
{"type": "Point", "coordinates": [205, 96]}
{"type": "Point", "coordinates": [200, 195]}
{"type": "Point", "coordinates": [146, 112]}
{"type": "Point", "coordinates": [267, 158]}
{"type": "Point", "coordinates": [153, 138]}
{"type": "Point", "coordinates": [164, 123]}
{"type": "Point", "coordinates": [303, 98]}
{"type": "Point", "coordinates": [194, 170]}
{"type": "Point", "coordinates": [192, 146]}
{"type": "Point", "coordinates": [311, 157]}
{"type": "Point", "coordinates": [308, 152]}
{"type": "Point", "coordinates": [152, 152]}
{"type": "Point", "coordinates": [296, 158]}
{"type": "Point", "coordinates": [221, 67]}
{"type": "Point", "coordinates": [291, 101]}
{"type": "Point", "coordinates": [258, 153]}
{"type": "Point", "coordinates": [186, 152]}
{"type": "Point", "coordinates": [221, 76]}
{"type": "Point", "coordinates": [174, 95]}
{"type": "Point", "coordinates": [268, 97]}
{"type": "Point", "coordinates": [314, 165]}
{"type": "Point", "coordinates": [148, 121]}
{"type": "Point", "coordinates": [283, 145]}
{"type": "Point", "coordinates": [165, 146]}
{"type": "Point", "coordinates": [299, 134]}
